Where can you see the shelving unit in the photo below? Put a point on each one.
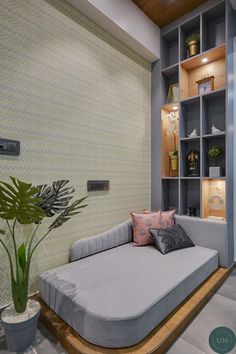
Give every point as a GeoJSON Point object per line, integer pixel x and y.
{"type": "Point", "coordinates": [196, 111]}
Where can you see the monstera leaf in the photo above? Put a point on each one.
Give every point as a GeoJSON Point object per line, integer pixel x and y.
{"type": "Point", "coordinates": [19, 201]}
{"type": "Point", "coordinates": [54, 198]}
{"type": "Point", "coordinates": [68, 213]}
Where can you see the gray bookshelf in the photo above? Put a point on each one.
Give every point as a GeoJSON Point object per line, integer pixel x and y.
{"type": "Point", "coordinates": [215, 23]}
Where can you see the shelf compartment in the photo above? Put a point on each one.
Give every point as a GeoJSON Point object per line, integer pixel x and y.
{"type": "Point", "coordinates": [213, 27]}
{"type": "Point", "coordinates": [170, 140]}
{"type": "Point", "coordinates": [186, 29]}
{"type": "Point", "coordinates": [193, 69]}
{"type": "Point", "coordinates": [170, 76]}
{"type": "Point", "coordinates": [170, 194]}
{"type": "Point", "coordinates": [190, 195]}
{"type": "Point", "coordinates": [185, 147]}
{"type": "Point", "coordinates": [214, 112]}
{"type": "Point", "coordinates": [170, 48]}
{"type": "Point", "coordinates": [214, 199]}
{"type": "Point", "coordinates": [189, 117]}
{"type": "Point", "coordinates": [207, 143]}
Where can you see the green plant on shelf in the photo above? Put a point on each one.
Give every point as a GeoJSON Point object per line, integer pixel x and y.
{"type": "Point", "coordinates": [192, 38]}
{"type": "Point", "coordinates": [215, 152]}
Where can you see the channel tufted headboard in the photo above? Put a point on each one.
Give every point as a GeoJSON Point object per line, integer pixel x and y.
{"type": "Point", "coordinates": [205, 233]}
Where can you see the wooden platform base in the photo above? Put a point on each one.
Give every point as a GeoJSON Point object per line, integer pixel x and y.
{"type": "Point", "coordinates": [158, 341]}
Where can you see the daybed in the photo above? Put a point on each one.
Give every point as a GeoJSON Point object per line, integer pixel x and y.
{"type": "Point", "coordinates": [114, 294]}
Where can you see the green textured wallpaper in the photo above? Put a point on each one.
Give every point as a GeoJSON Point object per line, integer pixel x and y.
{"type": "Point", "coordinates": [79, 102]}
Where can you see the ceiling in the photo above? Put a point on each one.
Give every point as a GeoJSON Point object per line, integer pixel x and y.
{"type": "Point", "coordinates": [163, 12]}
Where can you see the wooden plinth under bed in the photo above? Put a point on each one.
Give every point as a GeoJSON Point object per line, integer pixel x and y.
{"type": "Point", "coordinates": [158, 341]}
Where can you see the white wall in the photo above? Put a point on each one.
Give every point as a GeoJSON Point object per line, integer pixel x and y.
{"type": "Point", "coordinates": [124, 20]}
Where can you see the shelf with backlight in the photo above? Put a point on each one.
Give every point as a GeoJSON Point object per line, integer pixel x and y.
{"type": "Point", "coordinates": [210, 63]}
{"type": "Point", "coordinates": [202, 115]}
{"type": "Point", "coordinates": [170, 139]}
{"type": "Point", "coordinates": [214, 199]}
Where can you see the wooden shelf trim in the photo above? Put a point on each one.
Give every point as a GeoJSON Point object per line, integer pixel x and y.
{"type": "Point", "coordinates": [211, 54]}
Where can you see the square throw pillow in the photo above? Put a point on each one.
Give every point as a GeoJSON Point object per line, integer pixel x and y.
{"type": "Point", "coordinates": [167, 217]}
{"type": "Point", "coordinates": [170, 239]}
{"type": "Point", "coordinates": [141, 225]}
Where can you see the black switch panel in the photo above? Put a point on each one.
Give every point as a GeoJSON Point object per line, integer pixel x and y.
{"type": "Point", "coordinates": [98, 185]}
{"type": "Point", "coordinates": [9, 147]}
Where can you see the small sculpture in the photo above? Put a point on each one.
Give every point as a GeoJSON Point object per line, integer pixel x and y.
{"type": "Point", "coordinates": [215, 130]}
{"type": "Point", "coordinates": [193, 134]}
{"type": "Point", "coordinates": [193, 163]}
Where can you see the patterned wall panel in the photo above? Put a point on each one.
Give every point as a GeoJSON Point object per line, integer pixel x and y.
{"type": "Point", "coordinates": [79, 102]}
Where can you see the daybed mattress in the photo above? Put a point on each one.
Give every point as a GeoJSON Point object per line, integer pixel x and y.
{"type": "Point", "coordinates": [116, 297]}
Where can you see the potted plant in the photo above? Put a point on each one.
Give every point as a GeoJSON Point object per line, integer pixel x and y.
{"type": "Point", "coordinates": [21, 203]}
{"type": "Point", "coordinates": [172, 132]}
{"type": "Point", "coordinates": [215, 152]}
{"type": "Point", "coordinates": [192, 44]}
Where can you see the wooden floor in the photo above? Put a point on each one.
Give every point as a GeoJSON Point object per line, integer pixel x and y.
{"type": "Point", "coordinates": [158, 341]}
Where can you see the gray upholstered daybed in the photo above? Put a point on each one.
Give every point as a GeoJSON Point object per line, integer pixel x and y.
{"type": "Point", "coordinates": [114, 294]}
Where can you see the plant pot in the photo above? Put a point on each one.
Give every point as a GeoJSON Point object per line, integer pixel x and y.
{"type": "Point", "coordinates": [20, 328]}
{"type": "Point", "coordinates": [215, 171]}
{"type": "Point", "coordinates": [174, 163]}
{"type": "Point", "coordinates": [193, 48]}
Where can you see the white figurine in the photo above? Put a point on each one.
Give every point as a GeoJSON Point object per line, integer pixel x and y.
{"type": "Point", "coordinates": [215, 130]}
{"type": "Point", "coordinates": [193, 134]}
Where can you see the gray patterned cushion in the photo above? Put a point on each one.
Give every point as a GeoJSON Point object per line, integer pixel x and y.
{"type": "Point", "coordinates": [170, 239]}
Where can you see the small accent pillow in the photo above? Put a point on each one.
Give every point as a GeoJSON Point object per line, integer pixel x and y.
{"type": "Point", "coordinates": [170, 239]}
{"type": "Point", "coordinates": [167, 217]}
{"type": "Point", "coordinates": [141, 225]}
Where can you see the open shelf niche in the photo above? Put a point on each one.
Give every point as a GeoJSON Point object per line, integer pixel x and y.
{"type": "Point", "coordinates": [189, 117]}
{"type": "Point", "coordinates": [185, 147]}
{"type": "Point", "coordinates": [170, 76]}
{"type": "Point", "coordinates": [213, 27]}
{"type": "Point", "coordinates": [170, 195]}
{"type": "Point", "coordinates": [192, 26]}
{"type": "Point", "coordinates": [214, 199]}
{"type": "Point", "coordinates": [190, 195]}
{"type": "Point", "coordinates": [194, 69]}
{"type": "Point", "coordinates": [207, 143]}
{"type": "Point", "coordinates": [214, 112]}
{"type": "Point", "coordinates": [170, 48]}
{"type": "Point", "coordinates": [170, 138]}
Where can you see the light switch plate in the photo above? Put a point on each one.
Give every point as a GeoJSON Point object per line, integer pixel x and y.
{"type": "Point", "coordinates": [9, 147]}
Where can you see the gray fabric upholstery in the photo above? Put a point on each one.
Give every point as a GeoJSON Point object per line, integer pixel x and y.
{"type": "Point", "coordinates": [114, 237]}
{"type": "Point", "coordinates": [207, 233]}
{"type": "Point", "coordinates": [116, 297]}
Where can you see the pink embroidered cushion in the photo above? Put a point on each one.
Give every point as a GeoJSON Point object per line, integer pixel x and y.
{"type": "Point", "coordinates": [141, 225]}
{"type": "Point", "coordinates": [167, 217]}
